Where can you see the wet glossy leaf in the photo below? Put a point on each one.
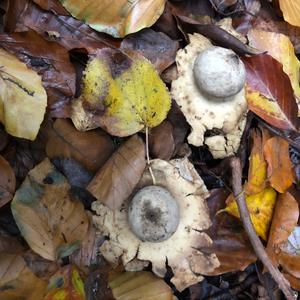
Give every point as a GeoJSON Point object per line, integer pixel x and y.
{"type": "Point", "coordinates": [52, 224]}
{"type": "Point", "coordinates": [269, 92]}
{"type": "Point", "coordinates": [260, 207]}
{"type": "Point", "coordinates": [91, 149]}
{"type": "Point", "coordinates": [280, 170]}
{"type": "Point", "coordinates": [23, 99]}
{"type": "Point", "coordinates": [66, 284]}
{"type": "Point", "coordinates": [116, 180]}
{"type": "Point", "coordinates": [280, 47]}
{"type": "Point", "coordinates": [121, 94]}
{"type": "Point", "coordinates": [116, 17]}
{"type": "Point", "coordinates": [7, 182]}
{"type": "Point", "coordinates": [291, 11]}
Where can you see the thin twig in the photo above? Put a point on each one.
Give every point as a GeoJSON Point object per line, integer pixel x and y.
{"type": "Point", "coordinates": [258, 247]}
{"type": "Point", "coordinates": [148, 156]}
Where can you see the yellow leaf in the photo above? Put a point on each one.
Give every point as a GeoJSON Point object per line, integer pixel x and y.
{"type": "Point", "coordinates": [260, 207]}
{"type": "Point", "coordinates": [23, 99]}
{"type": "Point", "coordinates": [116, 17]}
{"type": "Point", "coordinates": [291, 11]}
{"type": "Point", "coordinates": [121, 94]}
{"type": "Point", "coordinates": [257, 174]}
{"type": "Point", "coordinates": [281, 48]}
{"type": "Point", "coordinates": [139, 285]}
{"type": "Point", "coordinates": [66, 284]}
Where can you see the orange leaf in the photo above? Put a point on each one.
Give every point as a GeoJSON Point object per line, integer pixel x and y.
{"type": "Point", "coordinates": [260, 207]}
{"type": "Point", "coordinates": [291, 11]}
{"type": "Point", "coordinates": [280, 171]}
{"type": "Point", "coordinates": [284, 220]}
{"type": "Point", "coordinates": [257, 174]}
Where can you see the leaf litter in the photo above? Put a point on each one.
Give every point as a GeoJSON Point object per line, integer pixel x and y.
{"type": "Point", "coordinates": [123, 77]}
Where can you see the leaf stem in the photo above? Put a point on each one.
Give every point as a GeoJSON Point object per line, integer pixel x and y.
{"type": "Point", "coordinates": [258, 247]}
{"type": "Point", "coordinates": [148, 156]}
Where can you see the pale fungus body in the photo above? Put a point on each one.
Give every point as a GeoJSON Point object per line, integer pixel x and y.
{"type": "Point", "coordinates": [177, 181]}
{"type": "Point", "coordinates": [204, 90]}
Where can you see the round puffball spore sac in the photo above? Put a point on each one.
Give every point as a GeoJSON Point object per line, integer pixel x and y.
{"type": "Point", "coordinates": [153, 214]}
{"type": "Point", "coordinates": [219, 72]}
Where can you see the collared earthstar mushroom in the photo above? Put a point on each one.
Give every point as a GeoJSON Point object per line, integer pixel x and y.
{"type": "Point", "coordinates": [176, 215]}
{"type": "Point", "coordinates": [210, 92]}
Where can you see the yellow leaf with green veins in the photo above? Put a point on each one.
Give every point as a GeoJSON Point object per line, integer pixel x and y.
{"type": "Point", "coordinates": [122, 94]}
{"type": "Point", "coordinates": [23, 99]}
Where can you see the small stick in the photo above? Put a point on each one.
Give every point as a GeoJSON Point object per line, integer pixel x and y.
{"type": "Point", "coordinates": [148, 156]}
{"type": "Point", "coordinates": [258, 247]}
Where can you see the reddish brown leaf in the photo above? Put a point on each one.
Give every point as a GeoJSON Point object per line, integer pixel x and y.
{"type": "Point", "coordinates": [269, 92]}
{"type": "Point", "coordinates": [156, 46]}
{"type": "Point", "coordinates": [7, 182]}
{"type": "Point", "coordinates": [92, 148]}
{"type": "Point", "coordinates": [280, 170]}
{"type": "Point", "coordinates": [295, 282]}
{"type": "Point", "coordinates": [51, 61]}
{"type": "Point", "coordinates": [230, 241]}
{"type": "Point", "coordinates": [53, 5]}
{"type": "Point", "coordinates": [66, 30]}
{"type": "Point", "coordinates": [116, 180]}
{"type": "Point", "coordinates": [290, 263]}
{"type": "Point", "coordinates": [285, 218]}
{"type": "Point", "coordinates": [161, 141]}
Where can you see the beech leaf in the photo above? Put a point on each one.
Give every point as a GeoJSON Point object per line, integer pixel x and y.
{"type": "Point", "coordinates": [23, 99]}
{"type": "Point", "coordinates": [269, 92]}
{"type": "Point", "coordinates": [291, 11]}
{"type": "Point", "coordinates": [48, 219]}
{"type": "Point", "coordinates": [280, 170]}
{"type": "Point", "coordinates": [116, 17]}
{"type": "Point", "coordinates": [116, 180]}
{"type": "Point", "coordinates": [121, 94]}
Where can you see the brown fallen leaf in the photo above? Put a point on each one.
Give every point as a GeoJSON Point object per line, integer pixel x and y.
{"type": "Point", "coordinates": [17, 281]}
{"type": "Point", "coordinates": [116, 180]}
{"type": "Point", "coordinates": [7, 182]}
{"type": "Point", "coordinates": [52, 5]}
{"type": "Point", "coordinates": [295, 282]}
{"type": "Point", "coordinates": [156, 46]}
{"type": "Point", "coordinates": [257, 174]}
{"type": "Point", "coordinates": [269, 92]}
{"type": "Point", "coordinates": [290, 263]}
{"type": "Point", "coordinates": [92, 149]}
{"type": "Point", "coordinates": [49, 221]}
{"type": "Point", "coordinates": [230, 242]}
{"type": "Point", "coordinates": [161, 141]}
{"type": "Point", "coordinates": [280, 170]}
{"type": "Point", "coordinates": [71, 33]}
{"type": "Point", "coordinates": [284, 220]}
{"type": "Point", "coordinates": [10, 244]}
{"type": "Point", "coordinates": [51, 61]}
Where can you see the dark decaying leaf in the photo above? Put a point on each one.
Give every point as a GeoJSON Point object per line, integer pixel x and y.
{"type": "Point", "coordinates": [156, 46]}
{"type": "Point", "coordinates": [52, 5]}
{"type": "Point", "coordinates": [65, 30]}
{"type": "Point", "coordinates": [51, 61]}
{"type": "Point", "coordinates": [116, 180]}
{"type": "Point", "coordinates": [285, 218]}
{"type": "Point", "coordinates": [7, 182]}
{"type": "Point", "coordinates": [230, 242]}
{"type": "Point", "coordinates": [92, 149]}
{"type": "Point", "coordinates": [269, 92]}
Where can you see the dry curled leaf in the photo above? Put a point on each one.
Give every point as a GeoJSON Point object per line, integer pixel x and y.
{"type": "Point", "coordinates": [260, 207]}
{"type": "Point", "coordinates": [116, 17]}
{"type": "Point", "coordinates": [92, 149]}
{"type": "Point", "coordinates": [7, 182]}
{"type": "Point", "coordinates": [269, 92]}
{"type": "Point", "coordinates": [23, 99]}
{"type": "Point", "coordinates": [138, 285]}
{"type": "Point", "coordinates": [52, 224]}
{"type": "Point", "coordinates": [284, 220]}
{"type": "Point", "coordinates": [121, 94]}
{"type": "Point", "coordinates": [116, 180]}
{"type": "Point", "coordinates": [280, 47]}
{"type": "Point", "coordinates": [280, 170]}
